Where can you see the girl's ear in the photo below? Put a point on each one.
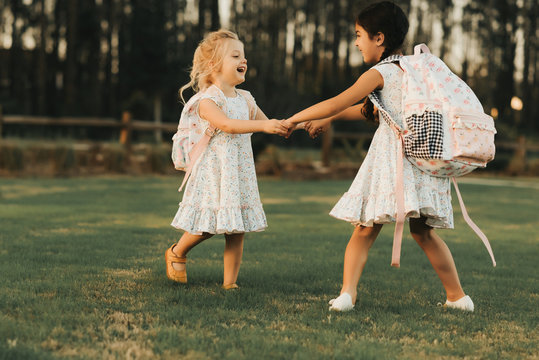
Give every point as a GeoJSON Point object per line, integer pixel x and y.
{"type": "Point", "coordinates": [379, 38]}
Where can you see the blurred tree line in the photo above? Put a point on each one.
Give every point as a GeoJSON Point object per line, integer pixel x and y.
{"type": "Point", "coordinates": [100, 57]}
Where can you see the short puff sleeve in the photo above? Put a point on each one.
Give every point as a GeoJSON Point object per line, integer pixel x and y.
{"type": "Point", "coordinates": [251, 103]}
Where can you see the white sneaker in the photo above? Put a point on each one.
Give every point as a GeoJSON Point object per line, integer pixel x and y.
{"type": "Point", "coordinates": [465, 303]}
{"type": "Point", "coordinates": [342, 303]}
{"type": "Point", "coordinates": [330, 302]}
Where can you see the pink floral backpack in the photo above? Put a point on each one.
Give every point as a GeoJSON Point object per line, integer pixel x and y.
{"type": "Point", "coordinates": [194, 133]}
{"type": "Point", "coordinates": [446, 132]}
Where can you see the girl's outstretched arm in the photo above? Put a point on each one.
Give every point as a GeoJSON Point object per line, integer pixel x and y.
{"type": "Point", "coordinates": [353, 113]}
{"type": "Point", "coordinates": [209, 111]}
{"type": "Point", "coordinates": [366, 83]}
{"type": "Point", "coordinates": [316, 127]}
{"type": "Point", "coordinates": [261, 116]}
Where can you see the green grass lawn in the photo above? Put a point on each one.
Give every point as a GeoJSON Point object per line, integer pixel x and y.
{"type": "Point", "coordinates": [82, 275]}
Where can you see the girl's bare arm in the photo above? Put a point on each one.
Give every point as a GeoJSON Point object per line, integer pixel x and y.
{"type": "Point", "coordinates": [352, 113]}
{"type": "Point", "coordinates": [209, 111]}
{"type": "Point", "coordinates": [316, 127]}
{"type": "Point", "coordinates": [341, 103]}
{"type": "Point", "coordinates": [261, 116]}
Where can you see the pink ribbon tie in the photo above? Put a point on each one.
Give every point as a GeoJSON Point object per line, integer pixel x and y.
{"type": "Point", "coordinates": [399, 195]}
{"type": "Point", "coordinates": [195, 153]}
{"type": "Point", "coordinates": [471, 224]}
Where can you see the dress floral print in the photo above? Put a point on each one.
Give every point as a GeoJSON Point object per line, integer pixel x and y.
{"type": "Point", "coordinates": [221, 196]}
{"type": "Point", "coordinates": [371, 197]}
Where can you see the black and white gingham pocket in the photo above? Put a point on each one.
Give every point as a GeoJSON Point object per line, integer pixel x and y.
{"type": "Point", "coordinates": [425, 135]}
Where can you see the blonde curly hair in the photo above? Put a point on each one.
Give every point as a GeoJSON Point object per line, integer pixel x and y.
{"type": "Point", "coordinates": [208, 57]}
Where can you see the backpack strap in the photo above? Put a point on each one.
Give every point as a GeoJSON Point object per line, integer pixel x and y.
{"type": "Point", "coordinates": [421, 47]}
{"type": "Point", "coordinates": [209, 132]}
{"type": "Point", "coordinates": [399, 197]}
{"type": "Point", "coordinates": [375, 98]}
{"type": "Point", "coordinates": [471, 224]}
{"type": "Point", "coordinates": [399, 180]}
{"type": "Point", "coordinates": [196, 151]}
{"type": "Point", "coordinates": [390, 59]}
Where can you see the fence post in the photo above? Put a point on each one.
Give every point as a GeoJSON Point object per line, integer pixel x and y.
{"type": "Point", "coordinates": [157, 118]}
{"type": "Point", "coordinates": [517, 165]}
{"type": "Point", "coordinates": [327, 141]}
{"type": "Point", "coordinates": [1, 122]}
{"type": "Point", "coordinates": [125, 132]}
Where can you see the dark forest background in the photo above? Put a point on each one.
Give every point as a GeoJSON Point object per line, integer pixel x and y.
{"type": "Point", "coordinates": [101, 57]}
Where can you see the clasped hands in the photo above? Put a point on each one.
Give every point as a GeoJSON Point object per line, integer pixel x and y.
{"type": "Point", "coordinates": [313, 127]}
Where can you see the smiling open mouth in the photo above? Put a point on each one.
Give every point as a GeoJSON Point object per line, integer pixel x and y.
{"type": "Point", "coordinates": [242, 69]}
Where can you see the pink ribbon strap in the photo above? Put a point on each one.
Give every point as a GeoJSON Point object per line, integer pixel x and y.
{"type": "Point", "coordinates": [195, 153]}
{"type": "Point", "coordinates": [471, 224]}
{"type": "Point", "coordinates": [399, 195]}
{"type": "Point", "coordinates": [399, 188]}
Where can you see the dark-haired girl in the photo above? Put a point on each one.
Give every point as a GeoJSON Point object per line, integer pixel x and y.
{"type": "Point", "coordinates": [371, 202]}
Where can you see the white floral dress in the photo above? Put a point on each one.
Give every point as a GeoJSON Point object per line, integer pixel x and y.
{"type": "Point", "coordinates": [371, 197]}
{"type": "Point", "coordinates": [221, 196]}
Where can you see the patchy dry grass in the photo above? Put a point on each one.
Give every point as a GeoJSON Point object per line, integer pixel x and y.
{"type": "Point", "coordinates": [82, 276]}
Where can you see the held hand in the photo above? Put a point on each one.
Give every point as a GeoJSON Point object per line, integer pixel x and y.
{"type": "Point", "coordinates": [274, 126]}
{"type": "Point", "coordinates": [316, 127]}
{"type": "Point", "coordinates": [290, 127]}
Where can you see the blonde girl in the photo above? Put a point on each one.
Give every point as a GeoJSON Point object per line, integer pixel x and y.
{"type": "Point", "coordinates": [370, 202]}
{"type": "Point", "coordinates": [221, 196]}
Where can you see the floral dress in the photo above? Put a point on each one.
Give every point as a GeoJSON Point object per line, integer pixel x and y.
{"type": "Point", "coordinates": [221, 196]}
{"type": "Point", "coordinates": [371, 197]}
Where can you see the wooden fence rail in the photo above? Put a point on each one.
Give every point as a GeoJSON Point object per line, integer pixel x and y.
{"type": "Point", "coordinates": [139, 125]}
{"type": "Point", "coordinates": [126, 124]}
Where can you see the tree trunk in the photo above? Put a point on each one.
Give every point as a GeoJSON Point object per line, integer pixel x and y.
{"type": "Point", "coordinates": [505, 78]}
{"type": "Point", "coordinates": [109, 93]}
{"type": "Point", "coordinates": [95, 60]}
{"type": "Point", "coordinates": [464, 74]}
{"type": "Point", "coordinates": [447, 8]}
{"type": "Point", "coordinates": [297, 53]}
{"type": "Point", "coordinates": [123, 89]}
{"type": "Point", "coordinates": [56, 84]}
{"type": "Point", "coordinates": [70, 87]}
{"type": "Point", "coordinates": [157, 117]}
{"type": "Point", "coordinates": [16, 59]}
{"type": "Point", "coordinates": [282, 35]}
{"type": "Point", "coordinates": [316, 46]}
{"type": "Point", "coordinates": [42, 62]}
{"type": "Point", "coordinates": [215, 20]}
{"type": "Point", "coordinates": [201, 18]}
{"type": "Point", "coordinates": [530, 27]}
{"type": "Point", "coordinates": [336, 39]}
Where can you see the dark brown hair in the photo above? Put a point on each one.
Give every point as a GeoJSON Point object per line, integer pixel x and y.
{"type": "Point", "coordinates": [387, 18]}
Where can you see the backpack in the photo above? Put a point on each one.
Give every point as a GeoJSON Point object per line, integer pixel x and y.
{"type": "Point", "coordinates": [446, 132]}
{"type": "Point", "coordinates": [194, 133]}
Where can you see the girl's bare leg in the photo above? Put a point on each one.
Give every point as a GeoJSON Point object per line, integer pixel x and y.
{"type": "Point", "coordinates": [439, 256]}
{"type": "Point", "coordinates": [185, 244]}
{"type": "Point", "coordinates": [232, 257]}
{"type": "Point", "coordinates": [355, 257]}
